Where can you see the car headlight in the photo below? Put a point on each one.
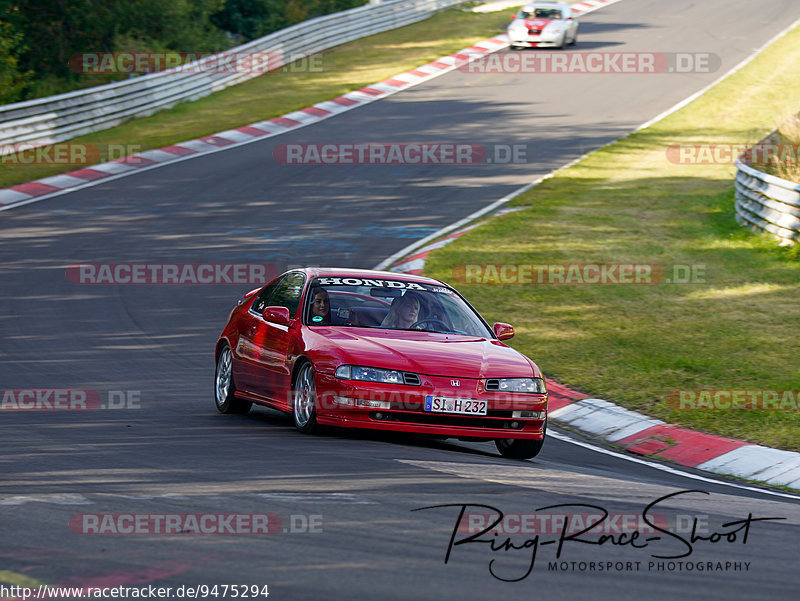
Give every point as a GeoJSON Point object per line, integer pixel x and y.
{"type": "Point", "coordinates": [369, 374]}
{"type": "Point", "coordinates": [517, 27]}
{"type": "Point", "coordinates": [526, 385]}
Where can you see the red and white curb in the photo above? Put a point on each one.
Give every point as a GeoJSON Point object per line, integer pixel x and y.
{"type": "Point", "coordinates": [48, 187]}
{"type": "Point", "coordinates": [639, 433]}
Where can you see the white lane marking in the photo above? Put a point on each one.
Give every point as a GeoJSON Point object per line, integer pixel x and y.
{"type": "Point", "coordinates": [668, 469]}
{"type": "Point", "coordinates": [167, 496]}
{"type": "Point", "coordinates": [337, 497]}
{"type": "Point", "coordinates": [56, 499]}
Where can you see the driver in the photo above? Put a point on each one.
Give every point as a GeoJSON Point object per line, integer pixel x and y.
{"type": "Point", "coordinates": [403, 313]}
{"type": "Point", "coordinates": [320, 307]}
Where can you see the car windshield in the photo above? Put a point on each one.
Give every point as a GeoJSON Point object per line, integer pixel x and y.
{"type": "Point", "coordinates": [390, 304]}
{"type": "Point", "coordinates": [540, 13]}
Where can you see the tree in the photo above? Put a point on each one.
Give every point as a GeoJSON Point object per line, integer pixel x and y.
{"type": "Point", "coordinates": [12, 82]}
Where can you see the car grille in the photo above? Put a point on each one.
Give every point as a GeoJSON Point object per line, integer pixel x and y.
{"type": "Point", "coordinates": [410, 379]}
{"type": "Point", "coordinates": [501, 420]}
{"type": "Point", "coordinates": [492, 385]}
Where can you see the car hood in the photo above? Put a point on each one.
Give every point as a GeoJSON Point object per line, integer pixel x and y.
{"type": "Point", "coordinates": [538, 23]}
{"type": "Point", "coordinates": [424, 353]}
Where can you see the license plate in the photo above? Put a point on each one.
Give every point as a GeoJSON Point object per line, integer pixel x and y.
{"type": "Point", "coordinates": [437, 404]}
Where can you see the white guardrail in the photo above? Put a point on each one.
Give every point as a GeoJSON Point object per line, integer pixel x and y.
{"type": "Point", "coordinates": [766, 203]}
{"type": "Point", "coordinates": [61, 117]}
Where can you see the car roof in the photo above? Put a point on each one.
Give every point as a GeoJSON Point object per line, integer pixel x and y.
{"type": "Point", "coordinates": [546, 4]}
{"type": "Point", "coordinates": [340, 272]}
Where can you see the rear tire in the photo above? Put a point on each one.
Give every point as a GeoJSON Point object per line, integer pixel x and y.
{"type": "Point", "coordinates": [304, 400]}
{"type": "Point", "coordinates": [519, 448]}
{"type": "Point", "coordinates": [224, 388]}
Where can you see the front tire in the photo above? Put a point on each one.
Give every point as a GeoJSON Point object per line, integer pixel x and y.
{"type": "Point", "coordinates": [518, 448]}
{"type": "Point", "coordinates": [304, 400]}
{"type": "Point", "coordinates": [224, 388]}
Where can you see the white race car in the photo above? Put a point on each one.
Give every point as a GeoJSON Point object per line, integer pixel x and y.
{"type": "Point", "coordinates": [546, 24]}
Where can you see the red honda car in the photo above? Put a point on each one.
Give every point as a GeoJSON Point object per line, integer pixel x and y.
{"type": "Point", "coordinates": [374, 349]}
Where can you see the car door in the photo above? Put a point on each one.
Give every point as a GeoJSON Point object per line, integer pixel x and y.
{"type": "Point", "coordinates": [270, 371]}
{"type": "Point", "coordinates": [247, 352]}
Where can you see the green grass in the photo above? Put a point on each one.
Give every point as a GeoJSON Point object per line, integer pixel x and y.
{"type": "Point", "coordinates": [343, 69]}
{"type": "Point", "coordinates": [627, 203]}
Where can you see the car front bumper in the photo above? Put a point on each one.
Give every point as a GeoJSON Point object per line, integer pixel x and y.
{"type": "Point", "coordinates": [402, 408]}
{"type": "Point", "coordinates": [534, 41]}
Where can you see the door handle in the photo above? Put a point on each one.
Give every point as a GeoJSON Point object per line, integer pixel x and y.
{"type": "Point", "coordinates": [253, 329]}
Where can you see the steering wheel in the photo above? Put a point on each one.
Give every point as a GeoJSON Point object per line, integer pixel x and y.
{"type": "Point", "coordinates": [430, 320]}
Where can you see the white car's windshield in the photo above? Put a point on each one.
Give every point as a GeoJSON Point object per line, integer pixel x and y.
{"type": "Point", "coordinates": [390, 304]}
{"type": "Point", "coordinates": [540, 13]}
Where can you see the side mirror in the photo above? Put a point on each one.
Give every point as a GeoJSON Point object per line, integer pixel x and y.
{"type": "Point", "coordinates": [279, 315]}
{"type": "Point", "coordinates": [513, 16]}
{"type": "Point", "coordinates": [503, 331]}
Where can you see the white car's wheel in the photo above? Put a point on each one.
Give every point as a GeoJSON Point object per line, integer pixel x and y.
{"type": "Point", "coordinates": [574, 38]}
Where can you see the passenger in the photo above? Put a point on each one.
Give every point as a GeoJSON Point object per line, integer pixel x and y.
{"type": "Point", "coordinates": [403, 313]}
{"type": "Point", "coordinates": [320, 307]}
